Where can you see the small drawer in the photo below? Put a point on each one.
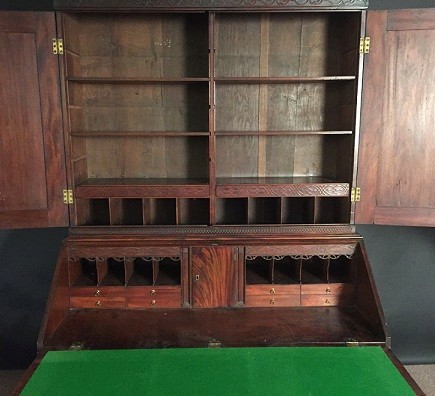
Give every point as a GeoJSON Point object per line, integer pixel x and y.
{"type": "Point", "coordinates": [328, 288]}
{"type": "Point", "coordinates": [271, 290]}
{"type": "Point", "coordinates": [270, 300]}
{"type": "Point", "coordinates": [326, 300]}
{"type": "Point", "coordinates": [97, 302]}
{"type": "Point", "coordinates": [153, 297]}
{"type": "Point", "coordinates": [102, 292]}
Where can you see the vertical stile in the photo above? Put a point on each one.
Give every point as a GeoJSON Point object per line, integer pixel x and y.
{"type": "Point", "coordinates": [300, 270]}
{"type": "Point", "coordinates": [102, 269]}
{"type": "Point", "coordinates": [212, 113]}
{"type": "Point", "coordinates": [272, 270]}
{"type": "Point", "coordinates": [282, 209]}
{"type": "Point", "coordinates": [185, 277]}
{"type": "Point", "coordinates": [316, 210]}
{"type": "Point", "coordinates": [177, 211]}
{"type": "Point", "coordinates": [128, 269]}
{"type": "Point", "coordinates": [155, 270]}
{"type": "Point", "coordinates": [326, 266]}
{"type": "Point", "coordinates": [115, 211]}
{"type": "Point", "coordinates": [145, 211]}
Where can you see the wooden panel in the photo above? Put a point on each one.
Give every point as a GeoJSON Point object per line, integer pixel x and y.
{"type": "Point", "coordinates": [268, 300]}
{"type": "Point", "coordinates": [171, 46]}
{"type": "Point", "coordinates": [97, 302]}
{"type": "Point", "coordinates": [282, 190]}
{"type": "Point", "coordinates": [196, 327]}
{"type": "Point", "coordinates": [112, 250]}
{"type": "Point", "coordinates": [326, 300]}
{"type": "Point", "coordinates": [58, 302]}
{"type": "Point", "coordinates": [330, 288]}
{"type": "Point", "coordinates": [298, 250]}
{"type": "Point", "coordinates": [395, 168]}
{"type": "Point", "coordinates": [214, 277]}
{"type": "Point", "coordinates": [32, 169]}
{"type": "Point", "coordinates": [158, 157]}
{"type": "Point", "coordinates": [273, 290]}
{"type": "Point", "coordinates": [153, 297]}
{"type": "Point", "coordinates": [102, 292]}
{"type": "Point", "coordinates": [237, 45]}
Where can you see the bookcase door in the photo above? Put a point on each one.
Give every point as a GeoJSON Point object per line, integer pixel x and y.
{"type": "Point", "coordinates": [32, 165]}
{"type": "Point", "coordinates": [395, 169]}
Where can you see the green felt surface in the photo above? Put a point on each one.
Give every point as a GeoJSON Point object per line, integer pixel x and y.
{"type": "Point", "coordinates": [226, 371]}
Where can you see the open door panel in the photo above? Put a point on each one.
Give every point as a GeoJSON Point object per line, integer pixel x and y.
{"type": "Point", "coordinates": [32, 163]}
{"type": "Point", "coordinates": [395, 168]}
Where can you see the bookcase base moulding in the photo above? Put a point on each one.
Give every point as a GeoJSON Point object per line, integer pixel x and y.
{"type": "Point", "coordinates": [207, 156]}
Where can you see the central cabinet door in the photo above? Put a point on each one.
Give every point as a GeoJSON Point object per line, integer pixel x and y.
{"type": "Point", "coordinates": [215, 276]}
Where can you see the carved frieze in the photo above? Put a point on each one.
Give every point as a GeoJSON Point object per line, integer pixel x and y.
{"type": "Point", "coordinates": [206, 4]}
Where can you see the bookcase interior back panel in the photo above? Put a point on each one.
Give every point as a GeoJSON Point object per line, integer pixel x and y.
{"type": "Point", "coordinates": [137, 45]}
{"type": "Point", "coordinates": [283, 45]}
{"type": "Point", "coordinates": [204, 118]}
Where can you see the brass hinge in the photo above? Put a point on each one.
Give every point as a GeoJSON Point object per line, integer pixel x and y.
{"type": "Point", "coordinates": [364, 45]}
{"type": "Point", "coordinates": [352, 344]}
{"type": "Point", "coordinates": [68, 197]}
{"type": "Point", "coordinates": [214, 344]}
{"type": "Point", "coordinates": [355, 194]}
{"type": "Point", "coordinates": [57, 46]}
{"type": "Point", "coordinates": [76, 346]}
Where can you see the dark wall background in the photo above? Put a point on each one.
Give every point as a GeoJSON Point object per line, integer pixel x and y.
{"type": "Point", "coordinates": [402, 258]}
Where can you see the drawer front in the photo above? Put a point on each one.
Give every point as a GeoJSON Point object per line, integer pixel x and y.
{"type": "Point", "coordinates": [271, 290]}
{"type": "Point", "coordinates": [153, 297]}
{"type": "Point", "coordinates": [97, 297]}
{"type": "Point", "coordinates": [270, 300]}
{"type": "Point", "coordinates": [97, 302]}
{"type": "Point", "coordinates": [331, 288]}
{"type": "Point", "coordinates": [325, 300]}
{"type": "Point", "coordinates": [103, 292]}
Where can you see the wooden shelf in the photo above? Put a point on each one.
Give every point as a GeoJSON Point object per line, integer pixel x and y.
{"type": "Point", "coordinates": [280, 133]}
{"type": "Point", "coordinates": [143, 188]}
{"type": "Point", "coordinates": [280, 80]}
{"type": "Point", "coordinates": [251, 187]}
{"type": "Point", "coordinates": [122, 134]}
{"type": "Point", "coordinates": [130, 80]}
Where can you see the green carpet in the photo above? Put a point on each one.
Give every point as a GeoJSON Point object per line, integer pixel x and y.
{"type": "Point", "coordinates": [227, 371]}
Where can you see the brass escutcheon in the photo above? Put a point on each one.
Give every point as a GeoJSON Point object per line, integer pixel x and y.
{"type": "Point", "coordinates": [98, 303]}
{"type": "Point", "coordinates": [97, 293]}
{"type": "Point", "coordinates": [328, 290]}
{"type": "Point", "coordinates": [197, 277]}
{"type": "Point", "coordinates": [152, 293]}
{"type": "Point", "coordinates": [327, 301]}
{"type": "Point", "coordinates": [153, 302]}
{"type": "Point", "coordinates": [272, 291]}
{"type": "Point", "coordinates": [272, 301]}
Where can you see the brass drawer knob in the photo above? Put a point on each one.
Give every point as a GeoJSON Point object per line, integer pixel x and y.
{"type": "Point", "coordinates": [152, 293]}
{"type": "Point", "coordinates": [328, 290]}
{"type": "Point", "coordinates": [272, 291]}
{"type": "Point", "coordinates": [98, 304]}
{"type": "Point", "coordinates": [153, 302]}
{"type": "Point", "coordinates": [272, 301]}
{"type": "Point", "coordinates": [97, 293]}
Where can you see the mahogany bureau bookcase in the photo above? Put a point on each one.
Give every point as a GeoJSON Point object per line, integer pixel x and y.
{"type": "Point", "coordinates": [211, 159]}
